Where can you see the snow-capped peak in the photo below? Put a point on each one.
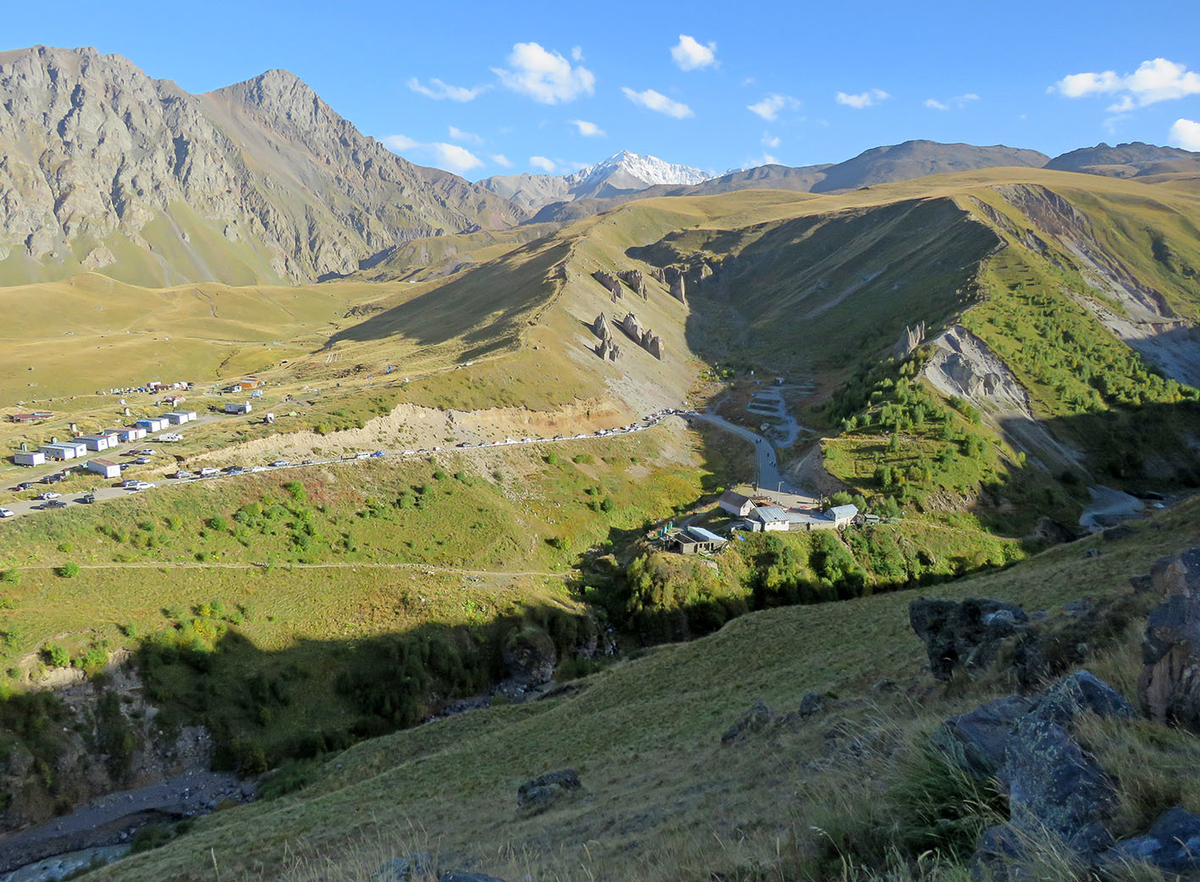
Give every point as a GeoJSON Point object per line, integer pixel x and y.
{"type": "Point", "coordinates": [649, 169]}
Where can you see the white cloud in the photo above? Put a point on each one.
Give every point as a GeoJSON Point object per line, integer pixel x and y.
{"type": "Point", "coordinates": [398, 143]}
{"type": "Point", "coordinates": [958, 102]}
{"type": "Point", "coordinates": [769, 140]}
{"type": "Point", "coordinates": [689, 54]}
{"type": "Point", "coordinates": [437, 90]}
{"type": "Point", "coordinates": [577, 53]}
{"type": "Point", "coordinates": [1155, 80]}
{"type": "Point", "coordinates": [451, 157]}
{"type": "Point", "coordinates": [459, 135]}
{"type": "Point", "coordinates": [454, 158]}
{"type": "Point", "coordinates": [657, 101]}
{"type": "Point", "coordinates": [868, 98]}
{"type": "Point", "coordinates": [544, 75]}
{"type": "Point", "coordinates": [588, 129]}
{"type": "Point", "coordinates": [543, 164]}
{"type": "Point", "coordinates": [501, 160]}
{"type": "Point", "coordinates": [748, 81]}
{"type": "Point", "coordinates": [770, 106]}
{"type": "Point", "coordinates": [1186, 134]}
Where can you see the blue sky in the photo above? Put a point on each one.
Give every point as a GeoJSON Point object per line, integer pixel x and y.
{"type": "Point", "coordinates": [489, 87]}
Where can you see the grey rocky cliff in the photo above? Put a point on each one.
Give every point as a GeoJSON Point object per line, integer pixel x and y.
{"type": "Point", "coordinates": [262, 176]}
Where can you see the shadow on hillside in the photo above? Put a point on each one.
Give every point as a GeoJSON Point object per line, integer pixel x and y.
{"type": "Point", "coordinates": [478, 308]}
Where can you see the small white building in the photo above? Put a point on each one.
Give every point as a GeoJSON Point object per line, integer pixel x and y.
{"type": "Point", "coordinates": [29, 458]}
{"type": "Point", "coordinates": [64, 450]}
{"type": "Point", "coordinates": [239, 407]}
{"type": "Point", "coordinates": [843, 515]}
{"type": "Point", "coordinates": [97, 442]}
{"type": "Point", "coordinates": [179, 417]}
{"type": "Point", "coordinates": [104, 467]}
{"type": "Point", "coordinates": [767, 518]}
{"type": "Point", "coordinates": [153, 424]}
{"type": "Point", "coordinates": [735, 503]}
{"type": "Point", "coordinates": [135, 433]}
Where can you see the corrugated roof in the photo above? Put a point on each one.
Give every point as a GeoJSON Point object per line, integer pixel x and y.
{"type": "Point", "coordinates": [102, 462]}
{"type": "Point", "coordinates": [703, 535]}
{"type": "Point", "coordinates": [734, 498]}
{"type": "Point", "coordinates": [769, 513]}
{"type": "Point", "coordinates": [843, 511]}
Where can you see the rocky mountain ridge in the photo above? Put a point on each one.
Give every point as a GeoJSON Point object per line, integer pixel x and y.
{"type": "Point", "coordinates": [262, 180]}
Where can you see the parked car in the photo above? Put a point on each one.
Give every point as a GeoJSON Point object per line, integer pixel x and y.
{"type": "Point", "coordinates": [235, 470]}
{"type": "Point", "coordinates": [25, 485]}
{"type": "Point", "coordinates": [142, 460]}
{"type": "Point", "coordinates": [142, 485]}
{"type": "Point", "coordinates": [181, 474]}
{"type": "Point", "coordinates": [379, 453]}
{"type": "Point", "coordinates": [209, 472]}
{"type": "Point", "coordinates": [170, 436]}
{"type": "Point", "coordinates": [280, 463]}
{"type": "Point", "coordinates": [7, 513]}
{"type": "Point", "coordinates": [127, 484]}
{"type": "Point", "coordinates": [54, 503]}
{"type": "Point", "coordinates": [147, 451]}
{"type": "Point", "coordinates": [49, 494]}
{"type": "Point", "coordinates": [307, 462]}
{"type": "Point", "coordinates": [87, 498]}
{"type": "Point", "coordinates": [362, 454]}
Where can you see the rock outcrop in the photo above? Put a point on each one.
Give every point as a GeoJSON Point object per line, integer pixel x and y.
{"type": "Point", "coordinates": [755, 719]}
{"type": "Point", "coordinates": [1058, 794]}
{"type": "Point", "coordinates": [643, 337]}
{"type": "Point", "coordinates": [966, 634]}
{"type": "Point", "coordinates": [611, 282]}
{"type": "Point", "coordinates": [910, 339]}
{"type": "Point", "coordinates": [529, 659]}
{"type": "Point", "coordinates": [607, 348]}
{"type": "Point", "coordinates": [635, 280]}
{"type": "Point", "coordinates": [1169, 684]}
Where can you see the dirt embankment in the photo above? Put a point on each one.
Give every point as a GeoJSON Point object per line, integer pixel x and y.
{"type": "Point", "coordinates": [412, 426]}
{"type": "Point", "coordinates": [963, 366]}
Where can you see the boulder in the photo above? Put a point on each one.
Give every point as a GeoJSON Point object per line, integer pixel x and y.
{"type": "Point", "coordinates": [1082, 692]}
{"type": "Point", "coordinates": [812, 703]}
{"type": "Point", "coordinates": [755, 719]}
{"type": "Point", "coordinates": [1169, 684]}
{"type": "Point", "coordinates": [1172, 844]}
{"type": "Point", "coordinates": [541, 791]}
{"type": "Point", "coordinates": [967, 634]}
{"type": "Point", "coordinates": [407, 868]}
{"type": "Point", "coordinates": [975, 742]}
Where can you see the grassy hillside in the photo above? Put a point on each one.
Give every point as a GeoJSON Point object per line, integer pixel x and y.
{"type": "Point", "coordinates": [663, 798]}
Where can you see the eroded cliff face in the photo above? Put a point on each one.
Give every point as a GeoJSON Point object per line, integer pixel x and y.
{"type": "Point", "coordinates": [93, 152]}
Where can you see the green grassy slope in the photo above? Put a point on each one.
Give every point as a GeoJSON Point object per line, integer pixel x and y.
{"type": "Point", "coordinates": [663, 798]}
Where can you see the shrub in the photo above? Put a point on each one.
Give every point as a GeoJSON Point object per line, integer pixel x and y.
{"type": "Point", "coordinates": [551, 458]}
{"type": "Point", "coordinates": [11, 575]}
{"type": "Point", "coordinates": [583, 459]}
{"type": "Point", "coordinates": [607, 504]}
{"type": "Point", "coordinates": [55, 654]}
{"type": "Point", "coordinates": [218, 523]}
{"type": "Point", "coordinates": [130, 630]}
{"type": "Point", "coordinates": [69, 570]}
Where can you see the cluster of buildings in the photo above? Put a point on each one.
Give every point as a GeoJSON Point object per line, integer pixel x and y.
{"type": "Point", "coordinates": [79, 446]}
{"type": "Point", "coordinates": [760, 514]}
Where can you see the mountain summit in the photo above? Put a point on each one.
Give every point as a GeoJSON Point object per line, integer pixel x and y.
{"type": "Point", "coordinates": [105, 167]}
{"type": "Point", "coordinates": [622, 174]}
{"type": "Point", "coordinates": [632, 171]}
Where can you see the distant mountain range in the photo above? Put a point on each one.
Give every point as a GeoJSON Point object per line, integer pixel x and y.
{"type": "Point", "coordinates": [623, 174]}
{"type": "Point", "coordinates": [103, 168]}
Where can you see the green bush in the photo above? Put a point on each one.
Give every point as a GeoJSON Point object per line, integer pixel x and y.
{"type": "Point", "coordinates": [69, 570]}
{"type": "Point", "coordinates": [11, 576]}
{"type": "Point", "coordinates": [55, 654]}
